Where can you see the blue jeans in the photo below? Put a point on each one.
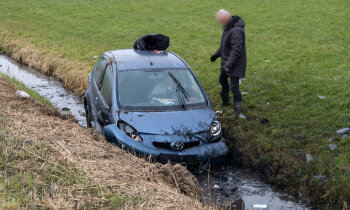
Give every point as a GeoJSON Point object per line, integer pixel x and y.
{"type": "Point", "coordinates": [234, 86]}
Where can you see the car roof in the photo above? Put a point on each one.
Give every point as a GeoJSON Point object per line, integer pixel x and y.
{"type": "Point", "coordinates": [128, 59]}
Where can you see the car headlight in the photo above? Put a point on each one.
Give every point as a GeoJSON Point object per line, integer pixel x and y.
{"type": "Point", "coordinates": [130, 131]}
{"type": "Point", "coordinates": [215, 129]}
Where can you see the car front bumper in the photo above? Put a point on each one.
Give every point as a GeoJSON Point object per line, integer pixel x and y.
{"type": "Point", "coordinates": [214, 153]}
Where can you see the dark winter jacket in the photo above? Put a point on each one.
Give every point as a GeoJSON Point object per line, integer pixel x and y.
{"type": "Point", "coordinates": [232, 49]}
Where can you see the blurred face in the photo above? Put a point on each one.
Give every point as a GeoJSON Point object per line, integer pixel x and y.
{"type": "Point", "coordinates": [223, 19]}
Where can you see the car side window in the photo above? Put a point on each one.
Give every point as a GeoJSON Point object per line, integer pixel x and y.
{"type": "Point", "coordinates": [107, 83]}
{"type": "Point", "coordinates": [100, 66]}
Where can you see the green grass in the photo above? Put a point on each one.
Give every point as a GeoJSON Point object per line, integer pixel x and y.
{"type": "Point", "coordinates": [307, 43]}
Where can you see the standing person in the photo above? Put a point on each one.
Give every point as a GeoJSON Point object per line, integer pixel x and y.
{"type": "Point", "coordinates": [233, 59]}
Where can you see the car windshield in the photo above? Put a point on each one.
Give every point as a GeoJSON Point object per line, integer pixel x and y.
{"type": "Point", "coordinates": [159, 89]}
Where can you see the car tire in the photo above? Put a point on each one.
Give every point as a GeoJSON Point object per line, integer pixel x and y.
{"type": "Point", "coordinates": [88, 117]}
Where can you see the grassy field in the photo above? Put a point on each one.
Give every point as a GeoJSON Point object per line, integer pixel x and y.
{"type": "Point", "coordinates": [306, 43]}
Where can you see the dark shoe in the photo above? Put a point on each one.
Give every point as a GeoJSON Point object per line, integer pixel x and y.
{"type": "Point", "coordinates": [238, 111]}
{"type": "Point", "coordinates": [225, 99]}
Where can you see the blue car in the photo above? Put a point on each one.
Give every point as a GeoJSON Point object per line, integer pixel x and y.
{"type": "Point", "coordinates": [150, 102]}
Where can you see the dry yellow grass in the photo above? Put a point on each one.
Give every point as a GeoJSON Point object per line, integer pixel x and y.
{"type": "Point", "coordinates": [103, 166]}
{"type": "Point", "coordinates": [73, 74]}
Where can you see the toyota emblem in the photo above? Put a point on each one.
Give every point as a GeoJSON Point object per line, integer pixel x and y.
{"type": "Point", "coordinates": [178, 145]}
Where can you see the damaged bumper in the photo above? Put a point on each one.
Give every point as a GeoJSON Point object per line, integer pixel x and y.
{"type": "Point", "coordinates": [194, 152]}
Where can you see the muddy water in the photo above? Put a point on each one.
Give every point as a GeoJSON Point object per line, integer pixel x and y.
{"type": "Point", "coordinates": [234, 187]}
{"type": "Point", "coordinates": [66, 101]}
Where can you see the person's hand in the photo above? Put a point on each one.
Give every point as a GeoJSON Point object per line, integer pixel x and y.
{"type": "Point", "coordinates": [226, 70]}
{"type": "Point", "coordinates": [213, 58]}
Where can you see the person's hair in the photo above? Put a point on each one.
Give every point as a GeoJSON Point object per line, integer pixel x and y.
{"type": "Point", "coordinates": [224, 12]}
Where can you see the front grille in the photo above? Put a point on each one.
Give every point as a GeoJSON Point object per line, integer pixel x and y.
{"type": "Point", "coordinates": [191, 144]}
{"type": "Point", "coordinates": [162, 145]}
{"type": "Point", "coordinates": [166, 145]}
{"type": "Point", "coordinates": [178, 158]}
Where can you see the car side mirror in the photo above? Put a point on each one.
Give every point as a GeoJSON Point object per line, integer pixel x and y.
{"type": "Point", "coordinates": [104, 117]}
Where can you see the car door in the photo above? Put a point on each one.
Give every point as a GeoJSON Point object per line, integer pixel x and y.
{"type": "Point", "coordinates": [97, 76]}
{"type": "Point", "coordinates": [104, 97]}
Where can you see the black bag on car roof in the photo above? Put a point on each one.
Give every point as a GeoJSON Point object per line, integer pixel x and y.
{"type": "Point", "coordinates": [152, 42]}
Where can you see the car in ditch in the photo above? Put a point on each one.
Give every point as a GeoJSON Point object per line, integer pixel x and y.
{"type": "Point", "coordinates": [150, 102]}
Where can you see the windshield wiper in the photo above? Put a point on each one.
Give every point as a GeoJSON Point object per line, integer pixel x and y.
{"type": "Point", "coordinates": [181, 92]}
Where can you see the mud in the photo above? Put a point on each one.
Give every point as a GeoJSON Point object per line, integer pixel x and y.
{"type": "Point", "coordinates": [234, 187]}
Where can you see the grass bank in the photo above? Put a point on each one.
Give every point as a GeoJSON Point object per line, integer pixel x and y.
{"type": "Point", "coordinates": [297, 51]}
{"type": "Point", "coordinates": [47, 161]}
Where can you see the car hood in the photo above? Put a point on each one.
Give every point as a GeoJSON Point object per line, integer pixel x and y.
{"type": "Point", "coordinates": [170, 123]}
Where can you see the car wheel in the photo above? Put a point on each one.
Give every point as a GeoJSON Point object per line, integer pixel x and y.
{"type": "Point", "coordinates": [88, 117]}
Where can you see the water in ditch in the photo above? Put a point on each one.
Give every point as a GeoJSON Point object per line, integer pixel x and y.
{"type": "Point", "coordinates": [234, 187]}
{"type": "Point", "coordinates": [240, 189]}
{"type": "Point", "coordinates": [64, 100]}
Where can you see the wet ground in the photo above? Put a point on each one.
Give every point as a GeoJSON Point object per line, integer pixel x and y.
{"type": "Point", "coordinates": [234, 187]}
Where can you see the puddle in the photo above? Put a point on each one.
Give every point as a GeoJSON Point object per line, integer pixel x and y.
{"type": "Point", "coordinates": [48, 87]}
{"type": "Point", "coordinates": [233, 187]}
